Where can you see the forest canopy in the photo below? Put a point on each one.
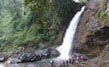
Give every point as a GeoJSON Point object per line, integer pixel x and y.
{"type": "Point", "coordinates": [38, 21]}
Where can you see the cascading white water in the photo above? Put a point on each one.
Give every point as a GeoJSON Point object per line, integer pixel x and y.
{"type": "Point", "coordinates": [66, 46]}
{"type": "Point", "coordinates": [76, 0]}
{"type": "Point", "coordinates": [1, 65]}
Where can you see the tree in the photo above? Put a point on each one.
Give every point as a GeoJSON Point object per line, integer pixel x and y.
{"type": "Point", "coordinates": [23, 8]}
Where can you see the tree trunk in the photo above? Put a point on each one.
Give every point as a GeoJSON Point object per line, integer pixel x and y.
{"type": "Point", "coordinates": [23, 8]}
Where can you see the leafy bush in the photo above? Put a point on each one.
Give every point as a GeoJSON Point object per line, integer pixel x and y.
{"type": "Point", "coordinates": [101, 14]}
{"type": "Point", "coordinates": [83, 0]}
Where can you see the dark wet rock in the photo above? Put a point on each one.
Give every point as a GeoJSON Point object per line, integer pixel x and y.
{"type": "Point", "coordinates": [44, 46]}
{"type": "Point", "coordinates": [47, 53]}
{"type": "Point", "coordinates": [9, 55]}
{"type": "Point", "coordinates": [23, 57]}
{"type": "Point", "coordinates": [42, 53]}
{"type": "Point", "coordinates": [32, 57]}
{"type": "Point", "coordinates": [36, 56]}
{"type": "Point", "coordinates": [19, 51]}
{"type": "Point", "coordinates": [2, 57]}
{"type": "Point", "coordinates": [29, 57]}
{"type": "Point", "coordinates": [53, 52]}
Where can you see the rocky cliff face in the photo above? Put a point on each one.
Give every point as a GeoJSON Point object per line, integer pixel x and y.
{"type": "Point", "coordinates": [93, 32]}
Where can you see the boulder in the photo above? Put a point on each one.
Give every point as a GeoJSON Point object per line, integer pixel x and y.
{"type": "Point", "coordinates": [14, 60]}
{"type": "Point", "coordinates": [23, 58]}
{"type": "Point", "coordinates": [42, 53]}
{"type": "Point", "coordinates": [29, 57]}
{"type": "Point", "coordinates": [53, 52]}
{"type": "Point", "coordinates": [47, 53]}
{"type": "Point", "coordinates": [32, 57]}
{"type": "Point", "coordinates": [2, 57]}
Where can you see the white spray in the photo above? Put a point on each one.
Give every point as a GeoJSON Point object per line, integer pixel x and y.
{"type": "Point", "coordinates": [1, 65]}
{"type": "Point", "coordinates": [76, 0]}
{"type": "Point", "coordinates": [65, 48]}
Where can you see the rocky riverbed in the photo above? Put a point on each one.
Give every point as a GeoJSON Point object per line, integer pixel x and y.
{"type": "Point", "coordinates": [19, 58]}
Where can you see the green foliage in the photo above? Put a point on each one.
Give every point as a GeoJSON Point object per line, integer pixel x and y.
{"type": "Point", "coordinates": [50, 16]}
{"type": "Point", "coordinates": [42, 21]}
{"type": "Point", "coordinates": [102, 3]}
{"type": "Point", "coordinates": [83, 0]}
{"type": "Point", "coordinates": [13, 25]}
{"type": "Point", "coordinates": [101, 14]}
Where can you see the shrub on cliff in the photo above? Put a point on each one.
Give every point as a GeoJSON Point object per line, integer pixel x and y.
{"type": "Point", "coordinates": [101, 13]}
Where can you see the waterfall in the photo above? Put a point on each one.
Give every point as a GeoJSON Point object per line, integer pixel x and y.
{"type": "Point", "coordinates": [65, 48]}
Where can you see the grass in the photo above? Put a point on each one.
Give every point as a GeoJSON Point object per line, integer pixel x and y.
{"type": "Point", "coordinates": [83, 0]}
{"type": "Point", "coordinates": [101, 14]}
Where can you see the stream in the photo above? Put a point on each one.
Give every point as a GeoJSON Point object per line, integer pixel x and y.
{"type": "Point", "coordinates": [42, 63]}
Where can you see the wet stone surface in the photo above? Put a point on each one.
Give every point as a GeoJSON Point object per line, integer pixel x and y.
{"type": "Point", "coordinates": [2, 57]}
{"type": "Point", "coordinates": [20, 57]}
